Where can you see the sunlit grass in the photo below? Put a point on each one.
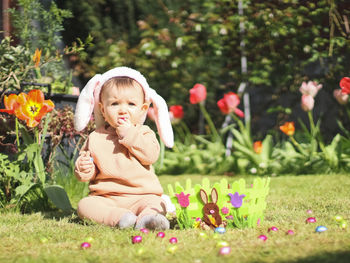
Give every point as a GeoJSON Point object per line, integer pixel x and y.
{"type": "Point", "coordinates": [289, 199]}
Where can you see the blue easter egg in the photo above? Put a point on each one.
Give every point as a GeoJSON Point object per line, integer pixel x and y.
{"type": "Point", "coordinates": [320, 229]}
{"type": "Point", "coordinates": [220, 230]}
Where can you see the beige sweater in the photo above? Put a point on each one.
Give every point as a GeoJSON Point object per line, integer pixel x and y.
{"type": "Point", "coordinates": [122, 166]}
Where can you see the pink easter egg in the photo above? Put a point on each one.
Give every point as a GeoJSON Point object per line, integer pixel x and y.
{"type": "Point", "coordinates": [290, 232]}
{"type": "Point", "coordinates": [173, 240]}
{"type": "Point", "coordinates": [262, 237]}
{"type": "Point", "coordinates": [273, 229]}
{"type": "Point", "coordinates": [311, 220]}
{"type": "Point", "coordinates": [309, 211]}
{"type": "Point", "coordinates": [225, 251]}
{"type": "Point", "coordinates": [136, 239]}
{"type": "Point", "coordinates": [85, 245]}
{"type": "Point", "coordinates": [161, 234]}
{"type": "Point", "coordinates": [144, 230]}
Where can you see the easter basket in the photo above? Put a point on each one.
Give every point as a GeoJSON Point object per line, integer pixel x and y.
{"type": "Point", "coordinates": [233, 205]}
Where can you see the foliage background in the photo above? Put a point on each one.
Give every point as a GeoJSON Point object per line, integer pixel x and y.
{"type": "Point", "coordinates": [179, 43]}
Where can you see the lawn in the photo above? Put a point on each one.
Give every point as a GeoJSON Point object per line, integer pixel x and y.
{"type": "Point", "coordinates": [22, 236]}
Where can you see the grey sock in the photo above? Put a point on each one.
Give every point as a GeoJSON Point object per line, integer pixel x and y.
{"type": "Point", "coordinates": [153, 222]}
{"type": "Point", "coordinates": [127, 220]}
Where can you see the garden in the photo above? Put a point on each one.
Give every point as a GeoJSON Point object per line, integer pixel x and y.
{"type": "Point", "coordinates": [258, 98]}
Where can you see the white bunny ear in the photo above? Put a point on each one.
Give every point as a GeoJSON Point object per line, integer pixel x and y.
{"type": "Point", "coordinates": [86, 103]}
{"type": "Point", "coordinates": [162, 118]}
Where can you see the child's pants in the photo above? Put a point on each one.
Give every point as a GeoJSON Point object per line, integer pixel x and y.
{"type": "Point", "coordinates": [109, 209]}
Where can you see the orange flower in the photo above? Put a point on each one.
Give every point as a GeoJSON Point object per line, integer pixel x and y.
{"type": "Point", "coordinates": [257, 147]}
{"type": "Point", "coordinates": [10, 103]}
{"type": "Point", "coordinates": [288, 128]}
{"type": "Point", "coordinates": [36, 57]}
{"type": "Point", "coordinates": [33, 107]}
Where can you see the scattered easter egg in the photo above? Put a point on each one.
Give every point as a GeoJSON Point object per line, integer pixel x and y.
{"type": "Point", "coordinates": [222, 244]}
{"type": "Point", "coordinates": [309, 211]}
{"type": "Point", "coordinates": [85, 245]}
{"type": "Point", "coordinates": [225, 251]}
{"type": "Point", "coordinates": [290, 232]}
{"type": "Point", "coordinates": [161, 234]}
{"type": "Point", "coordinates": [173, 240]}
{"type": "Point", "coordinates": [220, 230]}
{"type": "Point", "coordinates": [172, 249]}
{"type": "Point", "coordinates": [338, 218]}
{"type": "Point", "coordinates": [343, 224]}
{"type": "Point", "coordinates": [43, 240]}
{"type": "Point", "coordinates": [203, 235]}
{"type": "Point", "coordinates": [262, 237]}
{"type": "Point", "coordinates": [311, 220]}
{"type": "Point", "coordinates": [144, 230]}
{"type": "Point", "coordinates": [273, 229]}
{"type": "Point", "coordinates": [320, 229]}
{"type": "Point", "coordinates": [89, 239]}
{"type": "Point", "coordinates": [136, 239]}
{"type": "Point", "coordinates": [140, 251]}
{"type": "Point", "coordinates": [216, 236]}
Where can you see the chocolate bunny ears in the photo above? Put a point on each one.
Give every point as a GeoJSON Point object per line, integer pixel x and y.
{"type": "Point", "coordinates": [89, 99]}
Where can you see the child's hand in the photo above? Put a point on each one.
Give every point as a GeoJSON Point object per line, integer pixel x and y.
{"type": "Point", "coordinates": [85, 163]}
{"type": "Point", "coordinates": [123, 125]}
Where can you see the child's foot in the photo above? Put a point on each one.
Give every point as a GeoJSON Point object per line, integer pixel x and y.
{"type": "Point", "coordinates": [153, 222]}
{"type": "Point", "coordinates": [127, 220]}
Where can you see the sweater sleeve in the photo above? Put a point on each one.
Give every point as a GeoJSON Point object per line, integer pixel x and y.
{"type": "Point", "coordinates": [142, 142]}
{"type": "Point", "coordinates": [83, 177]}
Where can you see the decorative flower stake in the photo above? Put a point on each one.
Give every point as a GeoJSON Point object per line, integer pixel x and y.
{"type": "Point", "coordinates": [182, 218]}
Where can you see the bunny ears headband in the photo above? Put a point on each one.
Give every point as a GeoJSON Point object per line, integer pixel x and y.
{"type": "Point", "coordinates": [89, 99]}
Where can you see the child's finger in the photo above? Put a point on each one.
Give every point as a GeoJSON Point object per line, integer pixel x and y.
{"type": "Point", "coordinates": [86, 161]}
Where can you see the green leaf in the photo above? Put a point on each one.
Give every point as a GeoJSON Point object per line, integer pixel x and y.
{"type": "Point", "coordinates": [58, 196]}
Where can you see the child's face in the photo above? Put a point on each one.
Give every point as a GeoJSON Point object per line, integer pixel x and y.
{"type": "Point", "coordinates": [124, 103]}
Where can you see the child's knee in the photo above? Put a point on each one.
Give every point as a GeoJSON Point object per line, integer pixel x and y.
{"type": "Point", "coordinates": [84, 206]}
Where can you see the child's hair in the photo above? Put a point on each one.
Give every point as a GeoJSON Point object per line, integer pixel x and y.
{"type": "Point", "coordinates": [121, 83]}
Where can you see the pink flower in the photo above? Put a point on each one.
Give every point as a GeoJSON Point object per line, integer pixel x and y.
{"type": "Point", "coordinates": [183, 199]}
{"type": "Point", "coordinates": [310, 88]}
{"type": "Point", "coordinates": [198, 93]}
{"type": "Point", "coordinates": [341, 97]}
{"type": "Point", "coordinates": [229, 104]}
{"type": "Point", "coordinates": [307, 102]}
{"type": "Point", "coordinates": [345, 85]}
{"type": "Point", "coordinates": [225, 210]}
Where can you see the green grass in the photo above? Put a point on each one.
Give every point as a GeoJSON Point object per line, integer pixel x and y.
{"type": "Point", "coordinates": [289, 198]}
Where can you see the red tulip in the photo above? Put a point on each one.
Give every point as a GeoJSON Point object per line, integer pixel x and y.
{"type": "Point", "coordinates": [198, 93]}
{"type": "Point", "coordinates": [177, 111]}
{"type": "Point", "coordinates": [10, 103]}
{"type": "Point", "coordinates": [33, 107]}
{"type": "Point", "coordinates": [345, 85]}
{"type": "Point", "coordinates": [229, 104]}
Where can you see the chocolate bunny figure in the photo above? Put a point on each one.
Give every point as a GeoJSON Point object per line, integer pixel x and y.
{"type": "Point", "coordinates": [211, 211]}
